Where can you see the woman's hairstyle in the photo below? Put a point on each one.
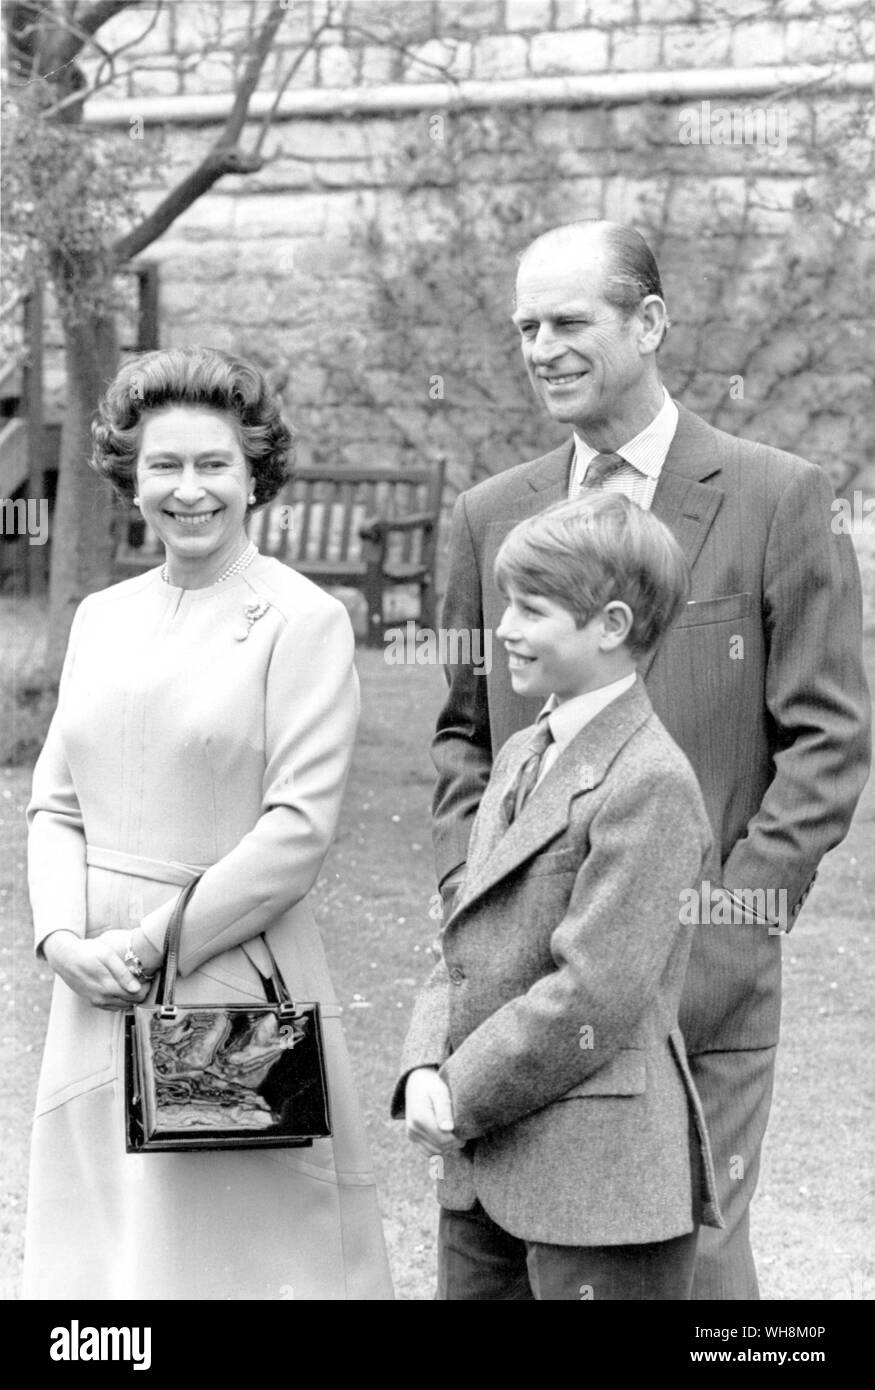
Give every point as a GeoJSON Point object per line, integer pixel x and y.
{"type": "Point", "coordinates": [594, 549]}
{"type": "Point", "coordinates": [196, 376]}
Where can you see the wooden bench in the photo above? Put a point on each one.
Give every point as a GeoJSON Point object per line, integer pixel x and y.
{"type": "Point", "coordinates": [371, 529]}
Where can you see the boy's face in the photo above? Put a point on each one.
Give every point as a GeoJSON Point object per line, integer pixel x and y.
{"type": "Point", "coordinates": [547, 653]}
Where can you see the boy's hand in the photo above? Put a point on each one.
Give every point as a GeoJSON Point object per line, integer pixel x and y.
{"type": "Point", "coordinates": [428, 1111]}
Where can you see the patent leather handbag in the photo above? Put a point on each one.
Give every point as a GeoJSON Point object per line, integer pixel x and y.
{"type": "Point", "coordinates": [224, 1076]}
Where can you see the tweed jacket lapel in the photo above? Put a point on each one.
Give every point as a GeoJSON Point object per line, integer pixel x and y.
{"type": "Point", "coordinates": [581, 766]}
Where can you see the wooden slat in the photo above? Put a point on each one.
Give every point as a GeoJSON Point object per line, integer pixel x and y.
{"type": "Point", "coordinates": [302, 521]}
{"type": "Point", "coordinates": [408, 537]}
{"type": "Point", "coordinates": [325, 530]}
{"type": "Point", "coordinates": [369, 498]}
{"type": "Point", "coordinates": [329, 505]}
{"type": "Point", "coordinates": [346, 501]}
{"type": "Point", "coordinates": [286, 524]}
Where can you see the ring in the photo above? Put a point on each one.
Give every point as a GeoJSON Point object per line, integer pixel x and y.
{"type": "Point", "coordinates": [135, 965]}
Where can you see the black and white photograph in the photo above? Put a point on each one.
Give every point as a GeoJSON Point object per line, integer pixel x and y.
{"type": "Point", "coordinates": [437, 606]}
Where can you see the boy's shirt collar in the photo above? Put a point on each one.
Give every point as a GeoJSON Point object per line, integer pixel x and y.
{"type": "Point", "coordinates": [568, 718]}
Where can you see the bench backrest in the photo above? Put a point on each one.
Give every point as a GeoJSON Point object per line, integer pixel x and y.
{"type": "Point", "coordinates": [317, 516]}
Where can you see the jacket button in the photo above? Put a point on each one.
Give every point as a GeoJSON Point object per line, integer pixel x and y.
{"type": "Point", "coordinates": [457, 975]}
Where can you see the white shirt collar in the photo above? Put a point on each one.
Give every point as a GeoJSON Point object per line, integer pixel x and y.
{"type": "Point", "coordinates": [568, 718]}
{"type": "Point", "coordinates": [648, 450]}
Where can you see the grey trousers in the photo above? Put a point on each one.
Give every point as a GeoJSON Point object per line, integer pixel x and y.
{"type": "Point", "coordinates": [479, 1261]}
{"type": "Point", "coordinates": [736, 1093]}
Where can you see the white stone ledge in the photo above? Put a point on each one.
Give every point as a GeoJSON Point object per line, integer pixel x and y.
{"type": "Point", "coordinates": [605, 89]}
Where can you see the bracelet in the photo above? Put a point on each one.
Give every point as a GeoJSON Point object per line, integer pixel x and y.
{"type": "Point", "coordinates": [135, 965]}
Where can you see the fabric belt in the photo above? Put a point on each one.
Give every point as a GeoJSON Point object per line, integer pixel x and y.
{"type": "Point", "coordinates": [166, 871]}
{"type": "Point", "coordinates": [161, 870]}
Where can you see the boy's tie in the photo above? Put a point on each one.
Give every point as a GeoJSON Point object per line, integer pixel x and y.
{"type": "Point", "coordinates": [524, 782]}
{"type": "Point", "coordinates": [602, 467]}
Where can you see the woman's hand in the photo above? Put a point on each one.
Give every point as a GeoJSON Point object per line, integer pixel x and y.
{"type": "Point", "coordinates": [149, 956]}
{"type": "Point", "coordinates": [95, 968]}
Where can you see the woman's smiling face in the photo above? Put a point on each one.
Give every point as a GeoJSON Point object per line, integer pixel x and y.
{"type": "Point", "coordinates": [194, 484]}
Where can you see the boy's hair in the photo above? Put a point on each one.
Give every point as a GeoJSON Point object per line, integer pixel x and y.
{"type": "Point", "coordinates": [594, 549]}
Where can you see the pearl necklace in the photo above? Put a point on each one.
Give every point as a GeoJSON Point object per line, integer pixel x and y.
{"type": "Point", "coordinates": [241, 563]}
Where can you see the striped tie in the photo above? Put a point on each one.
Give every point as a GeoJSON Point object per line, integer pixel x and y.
{"type": "Point", "coordinates": [602, 467]}
{"type": "Point", "coordinates": [524, 783]}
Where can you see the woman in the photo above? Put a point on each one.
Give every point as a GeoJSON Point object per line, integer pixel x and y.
{"type": "Point", "coordinates": [205, 722]}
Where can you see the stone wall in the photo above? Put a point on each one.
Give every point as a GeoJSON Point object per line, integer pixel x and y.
{"type": "Point", "coordinates": [368, 264]}
{"type": "Point", "coordinates": [192, 45]}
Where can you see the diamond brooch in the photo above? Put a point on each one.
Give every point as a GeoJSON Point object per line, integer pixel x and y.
{"type": "Point", "coordinates": [252, 612]}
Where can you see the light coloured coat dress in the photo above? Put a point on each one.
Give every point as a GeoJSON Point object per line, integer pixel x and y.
{"type": "Point", "coordinates": [191, 736]}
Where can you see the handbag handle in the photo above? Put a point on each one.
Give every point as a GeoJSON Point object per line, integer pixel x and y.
{"type": "Point", "coordinates": [272, 984]}
{"type": "Point", "coordinates": [170, 963]}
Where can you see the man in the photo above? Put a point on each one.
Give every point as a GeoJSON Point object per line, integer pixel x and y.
{"type": "Point", "coordinates": [760, 681]}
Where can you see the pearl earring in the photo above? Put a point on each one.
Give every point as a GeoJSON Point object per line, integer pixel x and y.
{"type": "Point", "coordinates": [136, 501]}
{"type": "Point", "coordinates": [252, 499]}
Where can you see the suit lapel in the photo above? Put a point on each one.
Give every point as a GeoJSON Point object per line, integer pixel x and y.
{"type": "Point", "coordinates": [551, 473]}
{"type": "Point", "coordinates": [545, 482]}
{"type": "Point", "coordinates": [578, 769]}
{"type": "Point", "coordinates": [682, 500]}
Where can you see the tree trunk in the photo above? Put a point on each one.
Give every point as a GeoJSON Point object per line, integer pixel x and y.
{"type": "Point", "coordinates": [83, 536]}
{"type": "Point", "coordinates": [83, 528]}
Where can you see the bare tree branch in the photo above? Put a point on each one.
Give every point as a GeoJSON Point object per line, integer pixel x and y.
{"type": "Point", "coordinates": [111, 57]}
{"type": "Point", "coordinates": [107, 66]}
{"type": "Point", "coordinates": [71, 42]}
{"type": "Point", "coordinates": [215, 164]}
{"type": "Point", "coordinates": [98, 13]}
{"type": "Point", "coordinates": [225, 157]}
{"type": "Point", "coordinates": [23, 29]}
{"type": "Point", "coordinates": [403, 49]}
{"type": "Point", "coordinates": [293, 68]}
{"type": "Point", "coordinates": [249, 81]}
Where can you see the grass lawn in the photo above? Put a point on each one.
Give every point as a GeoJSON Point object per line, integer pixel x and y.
{"type": "Point", "coordinates": [810, 1231]}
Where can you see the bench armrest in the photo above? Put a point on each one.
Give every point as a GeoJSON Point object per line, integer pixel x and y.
{"type": "Point", "coordinates": [376, 528]}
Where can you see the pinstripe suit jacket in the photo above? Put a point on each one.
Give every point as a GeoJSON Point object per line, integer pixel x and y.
{"type": "Point", "coordinates": [775, 725]}
{"type": "Point", "coordinates": [553, 1008]}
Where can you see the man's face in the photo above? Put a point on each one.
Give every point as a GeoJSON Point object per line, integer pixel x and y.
{"type": "Point", "coordinates": [581, 355]}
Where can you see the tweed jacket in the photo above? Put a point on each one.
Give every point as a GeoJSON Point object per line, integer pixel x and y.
{"type": "Point", "coordinates": [553, 1008]}
{"type": "Point", "coordinates": [760, 682]}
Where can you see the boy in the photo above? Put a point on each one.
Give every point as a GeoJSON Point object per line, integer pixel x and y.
{"type": "Point", "coordinates": [544, 1071]}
